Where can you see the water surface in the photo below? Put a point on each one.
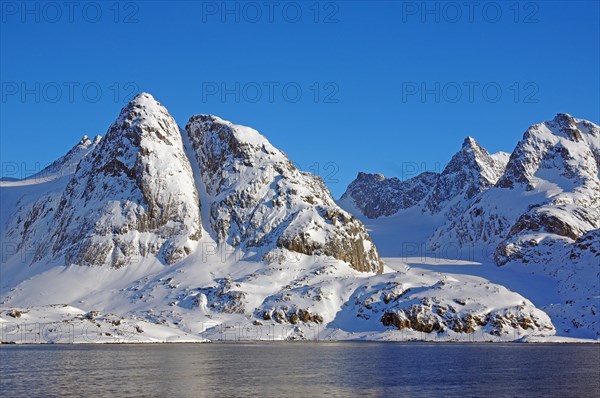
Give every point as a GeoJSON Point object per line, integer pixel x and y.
{"type": "Point", "coordinates": [344, 369]}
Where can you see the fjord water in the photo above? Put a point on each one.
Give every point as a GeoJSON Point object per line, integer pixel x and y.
{"type": "Point", "coordinates": [301, 369]}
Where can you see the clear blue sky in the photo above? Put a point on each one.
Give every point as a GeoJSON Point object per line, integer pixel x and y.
{"type": "Point", "coordinates": [361, 67]}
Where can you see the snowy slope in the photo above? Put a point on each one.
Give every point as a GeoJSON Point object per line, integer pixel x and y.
{"type": "Point", "coordinates": [224, 297]}
{"type": "Point", "coordinates": [28, 206]}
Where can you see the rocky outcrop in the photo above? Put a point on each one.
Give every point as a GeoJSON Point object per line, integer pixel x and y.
{"type": "Point", "coordinates": [226, 297]}
{"type": "Point", "coordinates": [293, 315]}
{"type": "Point", "coordinates": [587, 245]}
{"type": "Point", "coordinates": [575, 266]}
{"type": "Point", "coordinates": [259, 199]}
{"type": "Point", "coordinates": [430, 309]}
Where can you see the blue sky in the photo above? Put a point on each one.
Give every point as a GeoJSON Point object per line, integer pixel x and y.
{"type": "Point", "coordinates": [341, 87]}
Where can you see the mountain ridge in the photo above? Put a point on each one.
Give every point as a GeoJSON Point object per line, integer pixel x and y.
{"type": "Point", "coordinates": [176, 234]}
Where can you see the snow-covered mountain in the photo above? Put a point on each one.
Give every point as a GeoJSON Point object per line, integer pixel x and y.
{"type": "Point", "coordinates": [133, 196]}
{"type": "Point", "coordinates": [28, 205]}
{"type": "Point", "coordinates": [530, 208]}
{"type": "Point", "coordinates": [136, 195]}
{"type": "Point", "coordinates": [549, 190]}
{"type": "Point", "coordinates": [156, 233]}
{"type": "Point", "coordinates": [258, 198]}
{"type": "Point", "coordinates": [561, 159]}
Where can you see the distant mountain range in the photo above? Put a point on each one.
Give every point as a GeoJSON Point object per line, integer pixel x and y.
{"type": "Point", "coordinates": [182, 234]}
{"type": "Point", "coordinates": [540, 205]}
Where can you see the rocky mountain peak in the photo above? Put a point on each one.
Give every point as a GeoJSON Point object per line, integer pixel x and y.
{"type": "Point", "coordinates": [567, 125]}
{"type": "Point", "coordinates": [259, 199]}
{"type": "Point", "coordinates": [133, 196]}
{"type": "Point", "coordinates": [470, 142]}
{"type": "Point", "coordinates": [362, 176]}
{"type": "Point", "coordinates": [549, 193]}
{"type": "Point", "coordinates": [470, 171]}
{"type": "Point", "coordinates": [144, 117]}
{"type": "Point", "coordinates": [67, 164]}
{"type": "Point", "coordinates": [568, 144]}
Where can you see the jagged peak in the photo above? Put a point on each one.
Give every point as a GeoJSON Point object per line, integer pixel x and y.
{"type": "Point", "coordinates": [205, 117]}
{"type": "Point", "coordinates": [563, 117]}
{"type": "Point", "coordinates": [470, 153]}
{"type": "Point", "coordinates": [209, 120]}
{"type": "Point", "coordinates": [470, 142]}
{"type": "Point", "coordinates": [85, 141]}
{"type": "Point", "coordinates": [84, 144]}
{"type": "Point", "coordinates": [143, 98]}
{"type": "Point", "coordinates": [143, 105]}
{"type": "Point", "coordinates": [563, 121]}
{"type": "Point", "coordinates": [567, 125]}
{"type": "Point", "coordinates": [562, 125]}
{"type": "Point", "coordinates": [229, 131]}
{"type": "Point", "coordinates": [370, 176]}
{"type": "Point", "coordinates": [471, 147]}
{"type": "Point", "coordinates": [145, 117]}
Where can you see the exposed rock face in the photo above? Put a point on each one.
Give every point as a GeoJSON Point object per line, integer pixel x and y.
{"type": "Point", "coordinates": [258, 198]}
{"type": "Point", "coordinates": [299, 302]}
{"type": "Point", "coordinates": [376, 196]}
{"type": "Point", "coordinates": [134, 195]}
{"type": "Point", "coordinates": [291, 315]}
{"type": "Point", "coordinates": [470, 171]}
{"type": "Point", "coordinates": [225, 297]}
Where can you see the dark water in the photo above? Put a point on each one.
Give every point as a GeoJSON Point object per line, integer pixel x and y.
{"type": "Point", "coordinates": [301, 370]}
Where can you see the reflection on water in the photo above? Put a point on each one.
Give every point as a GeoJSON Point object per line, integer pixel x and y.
{"type": "Point", "coordinates": [300, 369]}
